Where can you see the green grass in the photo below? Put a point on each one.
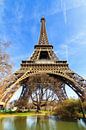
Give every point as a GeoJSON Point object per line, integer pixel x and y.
{"type": "Point", "coordinates": [31, 113]}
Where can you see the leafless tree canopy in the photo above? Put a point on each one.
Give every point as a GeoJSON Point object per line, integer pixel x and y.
{"type": "Point", "coordinates": [5, 65]}
{"type": "Point", "coordinates": [42, 89]}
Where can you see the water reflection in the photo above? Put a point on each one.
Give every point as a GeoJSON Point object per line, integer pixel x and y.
{"type": "Point", "coordinates": [82, 124]}
{"type": "Point", "coordinates": [20, 123]}
{"type": "Point", "coordinates": [39, 123]}
{"type": "Point", "coordinates": [7, 124]}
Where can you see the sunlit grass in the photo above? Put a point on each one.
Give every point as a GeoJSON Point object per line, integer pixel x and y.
{"type": "Point", "coordinates": [31, 113]}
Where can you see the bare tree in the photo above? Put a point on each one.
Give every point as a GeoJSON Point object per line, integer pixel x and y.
{"type": "Point", "coordinates": [43, 97]}
{"type": "Point", "coordinates": [43, 87]}
{"type": "Point", "coordinates": [41, 90]}
{"type": "Point", "coordinates": [5, 65]}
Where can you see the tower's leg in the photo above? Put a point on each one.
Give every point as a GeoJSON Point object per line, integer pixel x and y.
{"type": "Point", "coordinates": [79, 86]}
{"type": "Point", "coordinates": [61, 92]}
{"type": "Point", "coordinates": [23, 100]}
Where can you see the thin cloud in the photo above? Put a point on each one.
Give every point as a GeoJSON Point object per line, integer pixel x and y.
{"type": "Point", "coordinates": [63, 52]}
{"type": "Point", "coordinates": [74, 4]}
{"type": "Point", "coordinates": [74, 43]}
{"type": "Point", "coordinates": [73, 46]}
{"type": "Point", "coordinates": [2, 7]}
{"type": "Point", "coordinates": [19, 11]}
{"type": "Point", "coordinates": [64, 10]}
{"type": "Point", "coordinates": [79, 39]}
{"type": "Point", "coordinates": [53, 8]}
{"type": "Point", "coordinates": [65, 6]}
{"type": "Point", "coordinates": [2, 2]}
{"type": "Point", "coordinates": [21, 57]}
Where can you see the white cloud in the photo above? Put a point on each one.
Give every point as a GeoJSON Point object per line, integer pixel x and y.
{"type": "Point", "coordinates": [19, 11]}
{"type": "Point", "coordinates": [20, 57]}
{"type": "Point", "coordinates": [2, 7]}
{"type": "Point", "coordinates": [54, 8]}
{"type": "Point", "coordinates": [3, 35]}
{"type": "Point", "coordinates": [73, 46]}
{"type": "Point", "coordinates": [79, 39]}
{"type": "Point", "coordinates": [2, 2]}
{"type": "Point", "coordinates": [74, 3]}
{"type": "Point", "coordinates": [64, 6]}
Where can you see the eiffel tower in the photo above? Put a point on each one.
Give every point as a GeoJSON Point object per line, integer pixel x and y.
{"type": "Point", "coordinates": [43, 60]}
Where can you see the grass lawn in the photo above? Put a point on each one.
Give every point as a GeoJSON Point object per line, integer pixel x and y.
{"type": "Point", "coordinates": [31, 113]}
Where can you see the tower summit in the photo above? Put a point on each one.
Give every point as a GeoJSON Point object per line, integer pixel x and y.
{"type": "Point", "coordinates": [43, 50]}
{"type": "Point", "coordinates": [43, 39]}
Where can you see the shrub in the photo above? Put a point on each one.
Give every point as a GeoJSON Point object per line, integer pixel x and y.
{"type": "Point", "coordinates": [68, 109]}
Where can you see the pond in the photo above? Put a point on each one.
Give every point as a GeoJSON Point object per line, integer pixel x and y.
{"type": "Point", "coordinates": [39, 123]}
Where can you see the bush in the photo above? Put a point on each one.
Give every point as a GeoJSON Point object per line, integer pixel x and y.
{"type": "Point", "coordinates": [84, 106]}
{"type": "Point", "coordinates": [7, 111]}
{"type": "Point", "coordinates": [68, 109]}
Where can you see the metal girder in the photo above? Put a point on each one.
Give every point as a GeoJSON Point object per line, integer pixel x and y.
{"type": "Point", "coordinates": [77, 83]}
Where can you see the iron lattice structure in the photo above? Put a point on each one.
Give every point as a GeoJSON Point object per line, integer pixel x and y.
{"type": "Point", "coordinates": [43, 60]}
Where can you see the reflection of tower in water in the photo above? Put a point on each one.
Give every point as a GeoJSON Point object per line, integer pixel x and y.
{"type": "Point", "coordinates": [41, 123]}
{"type": "Point", "coordinates": [20, 123]}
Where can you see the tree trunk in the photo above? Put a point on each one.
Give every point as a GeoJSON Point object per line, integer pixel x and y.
{"type": "Point", "coordinates": [38, 108]}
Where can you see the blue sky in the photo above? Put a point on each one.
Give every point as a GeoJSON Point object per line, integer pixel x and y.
{"type": "Point", "coordinates": [66, 28]}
